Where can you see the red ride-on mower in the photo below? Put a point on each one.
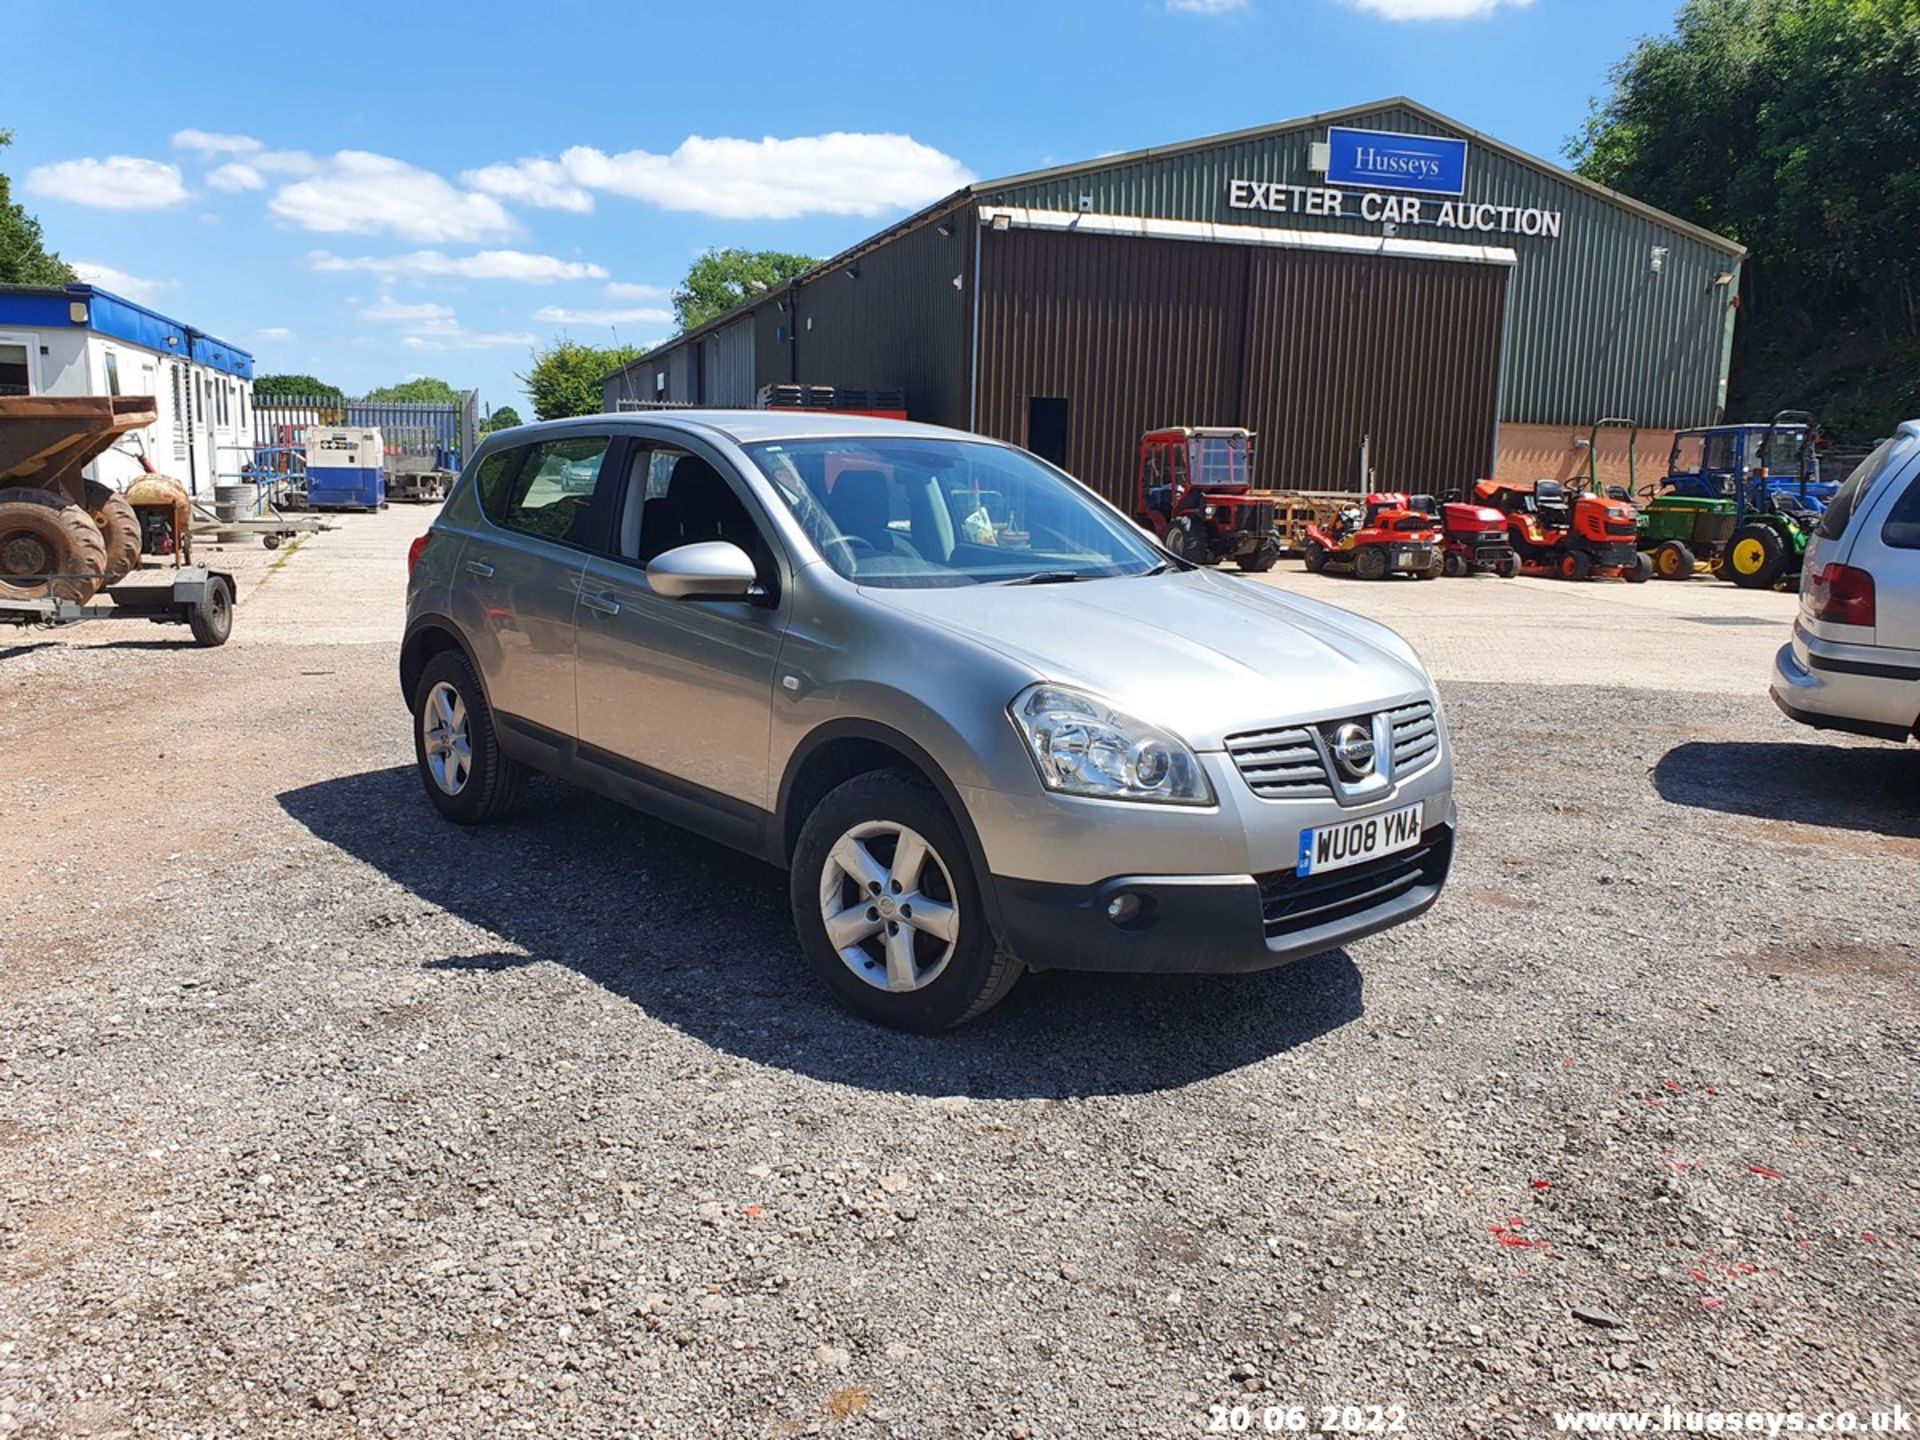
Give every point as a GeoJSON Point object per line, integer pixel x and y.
{"type": "Point", "coordinates": [1193, 488]}
{"type": "Point", "coordinates": [1574, 534]}
{"type": "Point", "coordinates": [1383, 537]}
{"type": "Point", "coordinates": [1475, 537]}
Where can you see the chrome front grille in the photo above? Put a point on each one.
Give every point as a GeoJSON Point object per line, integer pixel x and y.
{"type": "Point", "coordinates": [1416, 738]}
{"type": "Point", "coordinates": [1281, 764]}
{"type": "Point", "coordinates": [1290, 763]}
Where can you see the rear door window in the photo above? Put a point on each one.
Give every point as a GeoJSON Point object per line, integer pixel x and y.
{"type": "Point", "coordinates": [1890, 455]}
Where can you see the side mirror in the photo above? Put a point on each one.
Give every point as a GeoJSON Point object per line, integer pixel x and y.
{"type": "Point", "coordinates": [708, 570]}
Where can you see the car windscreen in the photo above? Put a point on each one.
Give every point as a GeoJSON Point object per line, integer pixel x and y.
{"type": "Point", "coordinates": [1889, 455]}
{"type": "Point", "coordinates": [907, 512]}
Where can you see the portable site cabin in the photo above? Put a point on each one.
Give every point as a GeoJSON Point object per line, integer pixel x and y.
{"type": "Point", "coordinates": [82, 340]}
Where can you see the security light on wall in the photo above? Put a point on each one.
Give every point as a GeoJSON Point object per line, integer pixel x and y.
{"type": "Point", "coordinates": [1086, 204]}
{"type": "Point", "coordinates": [1725, 277]}
{"type": "Point", "coordinates": [1658, 259]}
{"type": "Point", "coordinates": [1003, 222]}
{"type": "Point", "coordinates": [944, 230]}
{"type": "Point", "coordinates": [960, 282]}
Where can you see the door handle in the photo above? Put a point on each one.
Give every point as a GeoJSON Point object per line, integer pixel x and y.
{"type": "Point", "coordinates": [480, 568]}
{"type": "Point", "coordinates": [601, 604]}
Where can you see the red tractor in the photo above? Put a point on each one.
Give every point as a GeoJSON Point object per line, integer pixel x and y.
{"type": "Point", "coordinates": [1574, 534]}
{"type": "Point", "coordinates": [1384, 536]}
{"type": "Point", "coordinates": [1476, 537]}
{"type": "Point", "coordinates": [1193, 488]}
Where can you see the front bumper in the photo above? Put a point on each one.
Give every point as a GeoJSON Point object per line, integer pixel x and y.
{"type": "Point", "coordinates": [1220, 924]}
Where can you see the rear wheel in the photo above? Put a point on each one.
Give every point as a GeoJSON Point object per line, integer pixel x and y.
{"type": "Point", "coordinates": [1314, 557]}
{"type": "Point", "coordinates": [1508, 568]}
{"type": "Point", "coordinates": [1673, 561]}
{"type": "Point", "coordinates": [1639, 571]}
{"type": "Point", "coordinates": [119, 529]}
{"type": "Point", "coordinates": [1455, 564]}
{"type": "Point", "coordinates": [48, 548]}
{"type": "Point", "coordinates": [1756, 558]}
{"type": "Point", "coordinates": [1575, 565]}
{"type": "Point", "coordinates": [1262, 559]}
{"type": "Point", "coordinates": [1370, 563]}
{"type": "Point", "coordinates": [888, 908]}
{"type": "Point", "coordinates": [455, 745]}
{"type": "Point", "coordinates": [212, 619]}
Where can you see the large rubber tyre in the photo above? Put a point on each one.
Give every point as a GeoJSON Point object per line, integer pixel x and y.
{"type": "Point", "coordinates": [1184, 539]}
{"type": "Point", "coordinates": [1639, 571]}
{"type": "Point", "coordinates": [119, 528]}
{"type": "Point", "coordinates": [1258, 562]}
{"type": "Point", "coordinates": [42, 535]}
{"type": "Point", "coordinates": [493, 784]}
{"type": "Point", "coordinates": [1314, 557]}
{"type": "Point", "coordinates": [1673, 560]}
{"type": "Point", "coordinates": [1370, 563]}
{"type": "Point", "coordinates": [975, 975]}
{"type": "Point", "coordinates": [1756, 558]}
{"type": "Point", "coordinates": [1508, 568]}
{"type": "Point", "coordinates": [1455, 565]}
{"type": "Point", "coordinates": [1433, 571]}
{"type": "Point", "coordinates": [212, 619]}
{"type": "Point", "coordinates": [1575, 565]}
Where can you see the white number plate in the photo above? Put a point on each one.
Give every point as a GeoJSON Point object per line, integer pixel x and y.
{"type": "Point", "coordinates": [1352, 842]}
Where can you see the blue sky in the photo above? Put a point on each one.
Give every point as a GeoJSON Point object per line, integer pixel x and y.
{"type": "Point", "coordinates": [368, 192]}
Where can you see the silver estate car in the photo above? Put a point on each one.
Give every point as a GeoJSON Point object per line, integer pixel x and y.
{"type": "Point", "coordinates": [1854, 661]}
{"type": "Point", "coordinates": [986, 723]}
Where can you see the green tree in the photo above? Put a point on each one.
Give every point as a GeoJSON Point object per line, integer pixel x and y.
{"type": "Point", "coordinates": [721, 279]}
{"type": "Point", "coordinates": [1792, 126]}
{"type": "Point", "coordinates": [296, 387]}
{"type": "Point", "coordinates": [504, 418]}
{"type": "Point", "coordinates": [421, 390]}
{"type": "Point", "coordinates": [24, 257]}
{"type": "Point", "coordinates": [565, 378]}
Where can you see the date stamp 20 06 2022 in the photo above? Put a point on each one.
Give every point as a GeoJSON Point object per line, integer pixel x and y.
{"type": "Point", "coordinates": [1298, 1419]}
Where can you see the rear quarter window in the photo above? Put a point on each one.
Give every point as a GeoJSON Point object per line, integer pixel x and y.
{"type": "Point", "coordinates": [493, 481]}
{"type": "Point", "coordinates": [1889, 455]}
{"type": "Point", "coordinates": [1902, 530]}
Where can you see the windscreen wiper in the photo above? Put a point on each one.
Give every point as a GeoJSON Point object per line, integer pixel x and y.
{"type": "Point", "coordinates": [1049, 577]}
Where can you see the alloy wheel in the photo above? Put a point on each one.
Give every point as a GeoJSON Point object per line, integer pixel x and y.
{"type": "Point", "coordinates": [446, 739]}
{"type": "Point", "coordinates": [887, 901]}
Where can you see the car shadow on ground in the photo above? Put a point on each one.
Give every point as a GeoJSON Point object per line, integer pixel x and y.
{"type": "Point", "coordinates": [700, 938]}
{"type": "Point", "coordinates": [1874, 788]}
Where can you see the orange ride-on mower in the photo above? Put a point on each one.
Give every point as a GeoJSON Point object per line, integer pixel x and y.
{"type": "Point", "coordinates": [1193, 488]}
{"type": "Point", "coordinates": [1573, 534]}
{"type": "Point", "coordinates": [1383, 537]}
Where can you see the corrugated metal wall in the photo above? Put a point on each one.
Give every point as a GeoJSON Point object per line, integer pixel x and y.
{"type": "Point", "coordinates": [1595, 329]}
{"type": "Point", "coordinates": [1311, 349]}
{"type": "Point", "coordinates": [727, 354]}
{"type": "Point", "coordinates": [1403, 352]}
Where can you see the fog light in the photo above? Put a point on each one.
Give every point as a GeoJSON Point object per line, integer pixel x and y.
{"type": "Point", "coordinates": [1123, 909]}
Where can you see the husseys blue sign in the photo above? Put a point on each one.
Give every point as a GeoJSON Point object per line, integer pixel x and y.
{"type": "Point", "coordinates": [1384, 160]}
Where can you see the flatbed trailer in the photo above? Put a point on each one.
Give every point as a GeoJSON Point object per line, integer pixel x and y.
{"type": "Point", "coordinates": [193, 595]}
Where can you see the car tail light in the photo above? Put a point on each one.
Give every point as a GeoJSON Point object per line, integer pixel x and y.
{"type": "Point", "coordinates": [416, 550]}
{"type": "Point", "coordinates": [1842, 595]}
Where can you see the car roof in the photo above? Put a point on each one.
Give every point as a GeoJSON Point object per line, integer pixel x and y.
{"type": "Point", "coordinates": [748, 427]}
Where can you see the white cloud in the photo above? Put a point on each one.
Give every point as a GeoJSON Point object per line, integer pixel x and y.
{"type": "Point", "coordinates": [561, 315]}
{"type": "Point", "coordinates": [278, 334]}
{"type": "Point", "coordinates": [540, 183]}
{"type": "Point", "coordinates": [453, 336]}
{"type": "Point", "coordinates": [119, 182]}
{"type": "Point", "coordinates": [388, 311]}
{"type": "Point", "coordinates": [284, 162]}
{"type": "Point", "coordinates": [1206, 7]}
{"type": "Point", "coordinates": [359, 193]}
{"type": "Point", "coordinates": [209, 142]}
{"type": "Point", "coordinates": [774, 179]}
{"type": "Point", "coordinates": [482, 265]}
{"type": "Point", "coordinates": [236, 176]}
{"type": "Point", "coordinates": [120, 282]}
{"type": "Point", "coordinates": [623, 290]}
{"type": "Point", "coordinates": [1433, 9]}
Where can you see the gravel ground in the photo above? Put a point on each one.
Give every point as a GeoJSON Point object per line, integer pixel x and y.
{"type": "Point", "coordinates": [318, 1116]}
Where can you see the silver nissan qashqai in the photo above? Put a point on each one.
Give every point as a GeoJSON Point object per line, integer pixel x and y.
{"type": "Point", "coordinates": [985, 721]}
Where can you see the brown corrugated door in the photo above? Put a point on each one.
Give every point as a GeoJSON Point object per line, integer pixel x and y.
{"type": "Point", "coordinates": [1130, 334]}
{"type": "Point", "coordinates": [1403, 352]}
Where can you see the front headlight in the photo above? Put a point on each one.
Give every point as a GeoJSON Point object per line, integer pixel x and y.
{"type": "Point", "coordinates": [1082, 746]}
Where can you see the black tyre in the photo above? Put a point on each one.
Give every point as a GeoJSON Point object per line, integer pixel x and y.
{"type": "Point", "coordinates": [1756, 558]}
{"type": "Point", "coordinates": [1314, 557]}
{"type": "Point", "coordinates": [1189, 541]}
{"type": "Point", "coordinates": [456, 747]}
{"type": "Point", "coordinates": [1263, 559]}
{"type": "Point", "coordinates": [1456, 564]}
{"type": "Point", "coordinates": [1639, 571]}
{"type": "Point", "coordinates": [212, 619]}
{"type": "Point", "coordinates": [1673, 561]}
{"type": "Point", "coordinates": [1370, 563]}
{"type": "Point", "coordinates": [1575, 565]}
{"type": "Point", "coordinates": [888, 907]}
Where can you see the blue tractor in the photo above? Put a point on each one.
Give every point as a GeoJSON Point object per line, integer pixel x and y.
{"type": "Point", "coordinates": [1771, 474]}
